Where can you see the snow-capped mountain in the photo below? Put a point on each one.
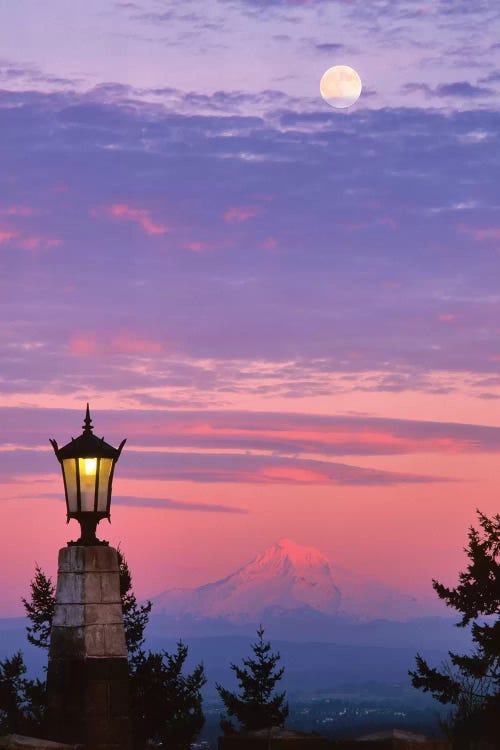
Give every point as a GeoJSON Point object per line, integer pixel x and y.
{"type": "Point", "coordinates": [287, 580]}
{"type": "Point", "coordinates": [287, 576]}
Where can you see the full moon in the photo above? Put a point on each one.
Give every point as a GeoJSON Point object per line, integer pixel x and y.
{"type": "Point", "coordinates": [340, 86]}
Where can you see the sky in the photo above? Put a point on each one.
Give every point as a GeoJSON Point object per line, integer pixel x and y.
{"type": "Point", "coordinates": [291, 312]}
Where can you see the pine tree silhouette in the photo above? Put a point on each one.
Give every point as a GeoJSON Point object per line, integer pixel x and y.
{"type": "Point", "coordinates": [257, 706]}
{"type": "Point", "coordinates": [471, 682]}
{"type": "Point", "coordinates": [40, 609]}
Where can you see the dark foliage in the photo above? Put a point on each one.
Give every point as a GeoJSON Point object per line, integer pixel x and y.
{"type": "Point", "coordinates": [257, 706]}
{"type": "Point", "coordinates": [40, 609]}
{"type": "Point", "coordinates": [166, 705]}
{"type": "Point", "coordinates": [135, 616]}
{"type": "Point", "coordinates": [22, 701]}
{"type": "Point", "coordinates": [471, 682]}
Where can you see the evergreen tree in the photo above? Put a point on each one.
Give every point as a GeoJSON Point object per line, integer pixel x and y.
{"type": "Point", "coordinates": [471, 682]}
{"type": "Point", "coordinates": [135, 616]}
{"type": "Point", "coordinates": [166, 705]}
{"type": "Point", "coordinates": [22, 701]}
{"type": "Point", "coordinates": [12, 673]}
{"type": "Point", "coordinates": [40, 609]}
{"type": "Point", "coordinates": [257, 706]}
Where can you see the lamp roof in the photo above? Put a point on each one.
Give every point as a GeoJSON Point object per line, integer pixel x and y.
{"type": "Point", "coordinates": [87, 445]}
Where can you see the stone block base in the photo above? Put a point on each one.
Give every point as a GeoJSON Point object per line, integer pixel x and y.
{"type": "Point", "coordinates": [87, 676]}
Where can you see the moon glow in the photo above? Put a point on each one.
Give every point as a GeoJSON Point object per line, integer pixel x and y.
{"type": "Point", "coordinates": [340, 86]}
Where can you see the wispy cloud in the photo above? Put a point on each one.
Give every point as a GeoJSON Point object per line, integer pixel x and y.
{"type": "Point", "coordinates": [329, 47]}
{"type": "Point", "coordinates": [18, 211]}
{"type": "Point", "coordinates": [140, 216]}
{"type": "Point", "coordinates": [239, 214]}
{"type": "Point", "coordinates": [270, 435]}
{"type": "Point", "coordinates": [391, 207]}
{"type": "Point", "coordinates": [25, 241]}
{"type": "Point", "coordinates": [222, 468]}
{"type": "Point", "coordinates": [124, 342]}
{"type": "Point", "coordinates": [480, 233]}
{"type": "Point", "coordinates": [237, 468]}
{"type": "Point", "coordinates": [169, 504]}
{"type": "Point", "coordinates": [458, 89]}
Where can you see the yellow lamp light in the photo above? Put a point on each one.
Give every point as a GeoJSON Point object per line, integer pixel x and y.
{"type": "Point", "coordinates": [90, 465]}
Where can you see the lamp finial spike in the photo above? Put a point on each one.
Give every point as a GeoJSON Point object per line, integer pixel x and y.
{"type": "Point", "coordinates": [87, 427]}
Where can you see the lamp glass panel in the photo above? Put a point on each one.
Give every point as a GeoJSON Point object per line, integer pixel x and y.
{"type": "Point", "coordinates": [104, 477]}
{"type": "Point", "coordinates": [88, 471]}
{"type": "Point", "coordinates": [69, 468]}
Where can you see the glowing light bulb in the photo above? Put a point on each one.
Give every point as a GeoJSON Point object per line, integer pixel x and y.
{"type": "Point", "coordinates": [90, 465]}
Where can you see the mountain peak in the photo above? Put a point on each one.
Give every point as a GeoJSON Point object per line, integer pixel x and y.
{"type": "Point", "coordinates": [286, 576]}
{"type": "Point", "coordinates": [298, 553]}
{"type": "Point", "coordinates": [287, 543]}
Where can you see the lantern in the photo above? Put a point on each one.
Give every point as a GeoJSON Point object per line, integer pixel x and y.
{"type": "Point", "coordinates": [87, 465]}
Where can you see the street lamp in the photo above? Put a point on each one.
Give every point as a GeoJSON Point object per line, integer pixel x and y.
{"type": "Point", "coordinates": [87, 465]}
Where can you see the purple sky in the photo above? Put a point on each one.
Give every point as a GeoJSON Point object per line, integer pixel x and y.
{"type": "Point", "coordinates": [255, 289]}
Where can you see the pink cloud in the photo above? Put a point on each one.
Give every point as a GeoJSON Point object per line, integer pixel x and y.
{"type": "Point", "coordinates": [19, 211]}
{"type": "Point", "coordinates": [83, 344]}
{"type": "Point", "coordinates": [87, 343]}
{"type": "Point", "coordinates": [27, 241]}
{"type": "Point", "coordinates": [293, 474]}
{"type": "Point", "coordinates": [292, 434]}
{"type": "Point", "coordinates": [130, 344]}
{"type": "Point", "coordinates": [197, 247]}
{"type": "Point", "coordinates": [257, 469]}
{"type": "Point", "coordinates": [32, 242]}
{"type": "Point", "coordinates": [202, 246]}
{"type": "Point", "coordinates": [447, 317]}
{"type": "Point", "coordinates": [481, 234]}
{"type": "Point", "coordinates": [140, 216]}
{"type": "Point", "coordinates": [239, 214]}
{"type": "Point", "coordinates": [487, 234]}
{"type": "Point", "coordinates": [6, 236]}
{"type": "Point", "coordinates": [270, 243]}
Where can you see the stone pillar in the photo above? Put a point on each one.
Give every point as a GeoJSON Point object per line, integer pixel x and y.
{"type": "Point", "coordinates": [87, 677]}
